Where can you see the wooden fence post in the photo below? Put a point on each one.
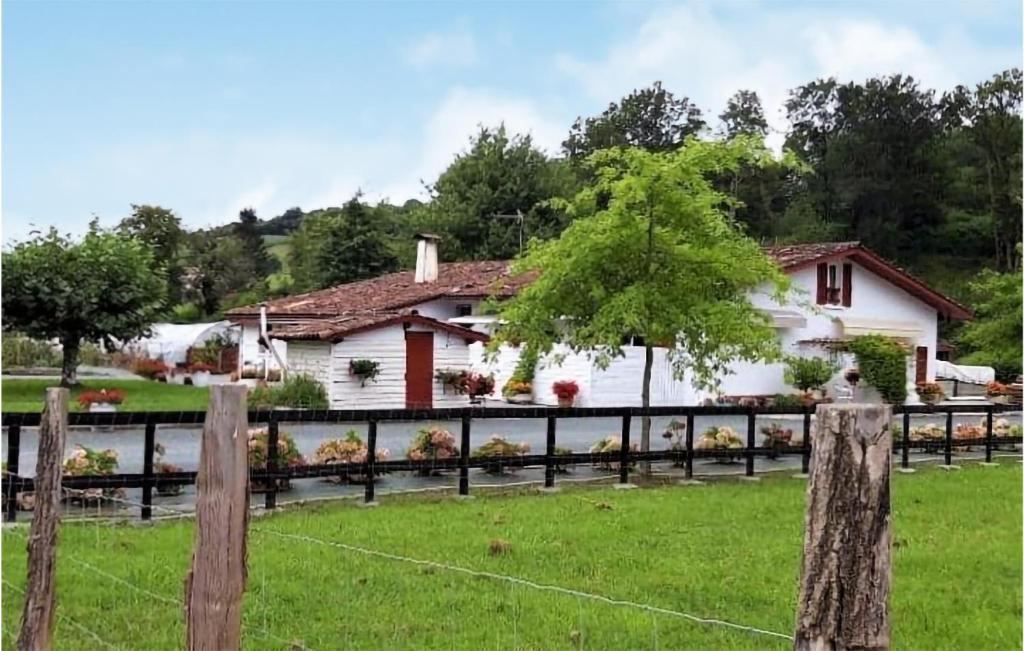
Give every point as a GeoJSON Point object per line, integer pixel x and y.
{"type": "Point", "coordinates": [38, 616]}
{"type": "Point", "coordinates": [216, 581]}
{"type": "Point", "coordinates": [844, 581]}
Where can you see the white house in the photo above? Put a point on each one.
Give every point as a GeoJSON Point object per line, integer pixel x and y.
{"type": "Point", "coordinates": [413, 323]}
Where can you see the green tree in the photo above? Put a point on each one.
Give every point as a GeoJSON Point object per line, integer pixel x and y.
{"type": "Point", "coordinates": [476, 200]}
{"type": "Point", "coordinates": [160, 229]}
{"type": "Point", "coordinates": [247, 230]}
{"type": "Point", "coordinates": [337, 246]}
{"type": "Point", "coordinates": [650, 118]}
{"type": "Point", "coordinates": [650, 253]}
{"type": "Point", "coordinates": [743, 115]}
{"type": "Point", "coordinates": [218, 266]}
{"type": "Point", "coordinates": [105, 287]}
{"type": "Point", "coordinates": [993, 338]}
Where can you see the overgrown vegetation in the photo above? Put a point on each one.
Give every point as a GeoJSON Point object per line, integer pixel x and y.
{"type": "Point", "coordinates": [807, 373]}
{"type": "Point", "coordinates": [299, 391]}
{"type": "Point", "coordinates": [956, 570]}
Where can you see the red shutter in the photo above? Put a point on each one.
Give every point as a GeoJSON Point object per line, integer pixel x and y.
{"type": "Point", "coordinates": [822, 283]}
{"type": "Point", "coordinates": [921, 364]}
{"type": "Point", "coordinates": [847, 284]}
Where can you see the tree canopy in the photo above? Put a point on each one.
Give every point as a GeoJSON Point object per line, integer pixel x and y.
{"type": "Point", "coordinates": [994, 337]}
{"type": "Point", "coordinates": [652, 253]}
{"type": "Point", "coordinates": [102, 288]}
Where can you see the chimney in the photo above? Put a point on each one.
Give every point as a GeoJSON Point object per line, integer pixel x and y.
{"type": "Point", "coordinates": [426, 257]}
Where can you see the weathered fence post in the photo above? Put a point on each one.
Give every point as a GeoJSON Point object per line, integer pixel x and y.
{"type": "Point", "coordinates": [148, 450]}
{"type": "Point", "coordinates": [10, 488]}
{"type": "Point", "coordinates": [464, 457]}
{"type": "Point", "coordinates": [844, 581]}
{"type": "Point", "coordinates": [38, 616]}
{"type": "Point", "coordinates": [216, 581]}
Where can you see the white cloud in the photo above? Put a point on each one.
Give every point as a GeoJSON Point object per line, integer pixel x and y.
{"type": "Point", "coordinates": [454, 48]}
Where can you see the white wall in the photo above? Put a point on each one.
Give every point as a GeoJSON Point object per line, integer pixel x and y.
{"type": "Point", "coordinates": [387, 347]}
{"type": "Point", "coordinates": [443, 309]}
{"type": "Point", "coordinates": [311, 358]}
{"type": "Point", "coordinates": [250, 351]}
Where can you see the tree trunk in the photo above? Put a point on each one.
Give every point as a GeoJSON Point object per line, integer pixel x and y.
{"type": "Point", "coordinates": [645, 400]}
{"type": "Point", "coordinates": [38, 616]}
{"type": "Point", "coordinates": [844, 581]}
{"type": "Point", "coordinates": [69, 367]}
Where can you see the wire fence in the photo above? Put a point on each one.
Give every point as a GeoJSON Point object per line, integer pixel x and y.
{"type": "Point", "coordinates": [623, 461]}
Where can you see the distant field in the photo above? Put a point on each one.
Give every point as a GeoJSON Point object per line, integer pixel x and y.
{"type": "Point", "coordinates": [140, 395]}
{"type": "Point", "coordinates": [726, 550]}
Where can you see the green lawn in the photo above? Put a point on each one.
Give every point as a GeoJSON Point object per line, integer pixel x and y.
{"type": "Point", "coordinates": [727, 550]}
{"type": "Point", "coordinates": [139, 395]}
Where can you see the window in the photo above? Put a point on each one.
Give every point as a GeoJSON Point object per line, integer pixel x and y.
{"type": "Point", "coordinates": [463, 309]}
{"type": "Point", "coordinates": [834, 290]}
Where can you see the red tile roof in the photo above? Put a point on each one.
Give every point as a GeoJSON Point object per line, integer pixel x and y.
{"type": "Point", "coordinates": [337, 328]}
{"type": "Point", "coordinates": [392, 292]}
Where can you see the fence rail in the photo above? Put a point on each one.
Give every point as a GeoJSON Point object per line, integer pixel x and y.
{"type": "Point", "coordinates": [625, 458]}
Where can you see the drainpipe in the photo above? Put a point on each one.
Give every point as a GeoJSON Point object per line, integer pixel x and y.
{"type": "Point", "coordinates": [265, 340]}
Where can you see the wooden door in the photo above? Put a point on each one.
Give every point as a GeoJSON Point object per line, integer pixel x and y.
{"type": "Point", "coordinates": [419, 370]}
{"type": "Point", "coordinates": [921, 364]}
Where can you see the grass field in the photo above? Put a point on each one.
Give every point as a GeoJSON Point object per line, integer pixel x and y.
{"type": "Point", "coordinates": [728, 550]}
{"type": "Point", "coordinates": [139, 395]}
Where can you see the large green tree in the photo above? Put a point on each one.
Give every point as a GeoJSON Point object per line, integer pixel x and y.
{"type": "Point", "coordinates": [650, 118]}
{"type": "Point", "coordinates": [477, 201]}
{"type": "Point", "coordinates": [651, 253]}
{"type": "Point", "coordinates": [102, 288]}
{"type": "Point", "coordinates": [340, 245]}
{"type": "Point", "coordinates": [994, 337]}
{"type": "Point", "coordinates": [218, 266]}
{"type": "Point", "coordinates": [161, 230]}
{"type": "Point", "coordinates": [248, 231]}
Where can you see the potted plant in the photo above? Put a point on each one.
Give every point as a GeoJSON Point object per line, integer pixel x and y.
{"type": "Point", "coordinates": [675, 436]}
{"type": "Point", "coordinates": [287, 457]}
{"type": "Point", "coordinates": [349, 450]}
{"type": "Point", "coordinates": [809, 374]}
{"type": "Point", "coordinates": [432, 444]}
{"type": "Point", "coordinates": [86, 461]}
{"type": "Point", "coordinates": [997, 392]}
{"type": "Point", "coordinates": [451, 378]}
{"type": "Point", "coordinates": [102, 401]}
{"type": "Point", "coordinates": [611, 445]}
{"type": "Point", "coordinates": [930, 392]}
{"type": "Point", "coordinates": [478, 386]}
{"type": "Point", "coordinates": [201, 373]}
{"type": "Point", "coordinates": [518, 392]}
{"type": "Point", "coordinates": [366, 370]}
{"type": "Point", "coordinates": [777, 438]}
{"type": "Point", "coordinates": [497, 446]}
{"type": "Point", "coordinates": [723, 439]}
{"type": "Point", "coordinates": [566, 391]}
{"type": "Point", "coordinates": [161, 467]}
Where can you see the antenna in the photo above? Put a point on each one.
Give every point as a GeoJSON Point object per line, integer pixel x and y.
{"type": "Point", "coordinates": [519, 217]}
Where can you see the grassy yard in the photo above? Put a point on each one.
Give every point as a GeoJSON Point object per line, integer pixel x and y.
{"type": "Point", "coordinates": [140, 395]}
{"type": "Point", "coordinates": [725, 550]}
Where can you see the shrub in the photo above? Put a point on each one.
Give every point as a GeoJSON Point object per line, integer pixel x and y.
{"type": "Point", "coordinates": [87, 461]}
{"type": "Point", "coordinates": [776, 438]}
{"type": "Point", "coordinates": [565, 389]}
{"type": "Point", "coordinates": [108, 396]}
{"type": "Point", "coordinates": [930, 391]}
{"type": "Point", "coordinates": [350, 449]}
{"type": "Point", "coordinates": [161, 467]}
{"type": "Point", "coordinates": [497, 446]}
{"type": "Point", "coordinates": [807, 373]}
{"type": "Point", "coordinates": [288, 455]}
{"type": "Point", "coordinates": [611, 444]}
{"type": "Point", "coordinates": [19, 350]}
{"type": "Point", "coordinates": [150, 369]}
{"type": "Point", "coordinates": [784, 401]}
{"type": "Point", "coordinates": [720, 438]}
{"type": "Point", "coordinates": [477, 385]}
{"type": "Point", "coordinates": [882, 363]}
{"type": "Point", "coordinates": [431, 444]}
{"type": "Point", "coordinates": [299, 391]}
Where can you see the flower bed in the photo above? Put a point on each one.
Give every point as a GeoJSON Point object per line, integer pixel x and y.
{"type": "Point", "coordinates": [86, 461]}
{"type": "Point", "coordinates": [497, 446]}
{"type": "Point", "coordinates": [102, 400]}
{"type": "Point", "coordinates": [432, 444]}
{"type": "Point", "coordinates": [350, 449]}
{"type": "Point", "coordinates": [288, 456]}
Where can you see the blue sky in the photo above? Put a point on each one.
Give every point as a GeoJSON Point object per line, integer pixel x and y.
{"type": "Point", "coordinates": [207, 108]}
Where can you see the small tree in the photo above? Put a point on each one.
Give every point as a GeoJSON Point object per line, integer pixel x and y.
{"type": "Point", "coordinates": [651, 253]}
{"type": "Point", "coordinates": [104, 287]}
{"type": "Point", "coordinates": [806, 373]}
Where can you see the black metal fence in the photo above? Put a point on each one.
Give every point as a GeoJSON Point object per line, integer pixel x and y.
{"type": "Point", "coordinates": [550, 460]}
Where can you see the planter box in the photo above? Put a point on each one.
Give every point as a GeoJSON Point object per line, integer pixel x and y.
{"type": "Point", "coordinates": [102, 408]}
{"type": "Point", "coordinates": [201, 378]}
{"type": "Point", "coordinates": [520, 399]}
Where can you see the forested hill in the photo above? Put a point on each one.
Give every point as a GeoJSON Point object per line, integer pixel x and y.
{"type": "Point", "coordinates": [929, 180]}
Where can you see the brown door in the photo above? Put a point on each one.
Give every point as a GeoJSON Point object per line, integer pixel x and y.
{"type": "Point", "coordinates": [419, 370]}
{"type": "Point", "coordinates": [921, 362]}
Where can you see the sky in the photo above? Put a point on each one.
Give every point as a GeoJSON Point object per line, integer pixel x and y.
{"type": "Point", "coordinates": [207, 108]}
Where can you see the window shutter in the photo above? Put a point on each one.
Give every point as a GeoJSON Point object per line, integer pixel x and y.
{"type": "Point", "coordinates": [847, 284]}
{"type": "Point", "coordinates": [822, 283]}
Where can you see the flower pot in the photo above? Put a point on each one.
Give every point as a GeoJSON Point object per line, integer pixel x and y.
{"type": "Point", "coordinates": [201, 378]}
{"type": "Point", "coordinates": [565, 401]}
{"type": "Point", "coordinates": [520, 398]}
{"type": "Point", "coordinates": [102, 407]}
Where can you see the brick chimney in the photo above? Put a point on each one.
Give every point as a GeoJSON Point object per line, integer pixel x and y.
{"type": "Point", "coordinates": [426, 257]}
